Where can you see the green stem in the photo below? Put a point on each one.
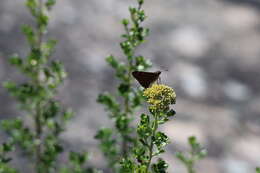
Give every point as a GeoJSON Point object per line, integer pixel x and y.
{"type": "Point", "coordinates": [37, 117]}
{"type": "Point", "coordinates": [190, 164]}
{"type": "Point", "coordinates": [126, 103]}
{"type": "Point", "coordinates": [190, 169]}
{"type": "Point", "coordinates": [39, 29]}
{"type": "Point", "coordinates": [155, 126]}
{"type": "Point", "coordinates": [38, 128]}
{"type": "Point", "coordinates": [127, 111]}
{"type": "Point", "coordinates": [124, 142]}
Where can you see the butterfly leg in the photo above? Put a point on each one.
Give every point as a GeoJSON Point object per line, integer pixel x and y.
{"type": "Point", "coordinates": [159, 80]}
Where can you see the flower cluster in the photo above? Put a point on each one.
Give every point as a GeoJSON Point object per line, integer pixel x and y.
{"type": "Point", "coordinates": [160, 97]}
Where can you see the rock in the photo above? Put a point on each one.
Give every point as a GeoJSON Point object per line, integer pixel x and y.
{"type": "Point", "coordinates": [236, 91]}
{"type": "Point", "coordinates": [247, 147]}
{"type": "Point", "coordinates": [179, 131]}
{"type": "Point", "coordinates": [189, 42]}
{"type": "Point", "coordinates": [233, 165]}
{"type": "Point", "coordinates": [192, 80]}
{"type": "Point", "coordinates": [241, 18]}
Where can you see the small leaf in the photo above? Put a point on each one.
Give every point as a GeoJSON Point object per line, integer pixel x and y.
{"type": "Point", "coordinates": [48, 47]}
{"type": "Point", "coordinates": [30, 35]}
{"type": "Point", "coordinates": [9, 85]}
{"type": "Point", "coordinates": [32, 6]}
{"type": "Point", "coordinates": [125, 22]}
{"type": "Point", "coordinates": [124, 88]}
{"type": "Point", "coordinates": [160, 140]}
{"type": "Point", "coordinates": [110, 102]}
{"type": "Point", "coordinates": [160, 167]}
{"type": "Point", "coordinates": [42, 20]}
{"type": "Point", "coordinates": [50, 3]}
{"type": "Point", "coordinates": [16, 60]}
{"type": "Point", "coordinates": [140, 2]}
{"type": "Point", "coordinates": [171, 113]}
{"type": "Point", "coordinates": [68, 115]}
{"type": "Point", "coordinates": [112, 61]}
{"type": "Point", "coordinates": [180, 156]}
{"type": "Point", "coordinates": [7, 147]}
{"type": "Point", "coordinates": [4, 160]}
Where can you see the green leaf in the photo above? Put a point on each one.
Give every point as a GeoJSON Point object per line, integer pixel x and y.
{"type": "Point", "coordinates": [257, 170]}
{"type": "Point", "coordinates": [48, 48]}
{"type": "Point", "coordinates": [127, 166]}
{"type": "Point", "coordinates": [108, 145]}
{"type": "Point", "coordinates": [140, 2]}
{"type": "Point", "coordinates": [160, 167]}
{"type": "Point", "coordinates": [12, 124]}
{"type": "Point", "coordinates": [202, 154]}
{"type": "Point", "coordinates": [181, 157]}
{"type": "Point", "coordinates": [58, 68]}
{"type": "Point", "coordinates": [160, 140]}
{"type": "Point", "coordinates": [51, 109]}
{"type": "Point", "coordinates": [119, 67]}
{"type": "Point", "coordinates": [7, 147]}
{"type": "Point", "coordinates": [171, 113]}
{"type": "Point", "coordinates": [126, 47]}
{"type": "Point", "coordinates": [122, 123]}
{"type": "Point", "coordinates": [124, 89]}
{"type": "Point", "coordinates": [10, 86]}
{"type": "Point", "coordinates": [137, 98]}
{"type": "Point", "coordinates": [78, 158]}
{"type": "Point", "coordinates": [34, 58]}
{"type": "Point", "coordinates": [141, 63]}
{"type": "Point", "coordinates": [144, 129]}
{"type": "Point", "coordinates": [112, 61]}
{"type": "Point", "coordinates": [4, 168]}
{"type": "Point", "coordinates": [50, 3]}
{"type": "Point", "coordinates": [5, 160]}
{"type": "Point", "coordinates": [30, 35]}
{"type": "Point", "coordinates": [121, 72]}
{"type": "Point", "coordinates": [109, 101]}
{"type": "Point", "coordinates": [192, 140]}
{"type": "Point", "coordinates": [140, 154]}
{"type": "Point", "coordinates": [125, 22]}
{"type": "Point", "coordinates": [32, 6]}
{"type": "Point", "coordinates": [104, 133]}
{"type": "Point", "coordinates": [196, 153]}
{"type": "Point", "coordinates": [68, 115]}
{"type": "Point", "coordinates": [42, 20]}
{"type": "Point", "coordinates": [16, 60]}
{"type": "Point", "coordinates": [141, 15]}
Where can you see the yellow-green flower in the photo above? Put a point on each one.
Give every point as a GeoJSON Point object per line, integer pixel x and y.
{"type": "Point", "coordinates": [160, 97]}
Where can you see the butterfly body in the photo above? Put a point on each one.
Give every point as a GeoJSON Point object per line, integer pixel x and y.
{"type": "Point", "coordinates": [146, 78]}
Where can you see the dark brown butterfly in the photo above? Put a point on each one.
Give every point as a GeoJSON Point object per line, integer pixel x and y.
{"type": "Point", "coordinates": [146, 78]}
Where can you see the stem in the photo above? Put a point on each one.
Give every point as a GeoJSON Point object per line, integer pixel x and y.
{"type": "Point", "coordinates": [37, 117]}
{"type": "Point", "coordinates": [128, 81]}
{"type": "Point", "coordinates": [38, 128]}
{"type": "Point", "coordinates": [40, 33]}
{"type": "Point", "coordinates": [190, 165]}
{"type": "Point", "coordinates": [151, 143]}
{"type": "Point", "coordinates": [190, 169]}
{"type": "Point", "coordinates": [124, 143]}
{"type": "Point", "coordinates": [127, 110]}
{"type": "Point", "coordinates": [126, 103]}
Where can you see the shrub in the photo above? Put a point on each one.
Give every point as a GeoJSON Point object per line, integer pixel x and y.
{"type": "Point", "coordinates": [116, 142]}
{"type": "Point", "coordinates": [36, 97]}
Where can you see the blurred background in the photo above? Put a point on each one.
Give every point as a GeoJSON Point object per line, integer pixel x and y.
{"type": "Point", "coordinates": [211, 49]}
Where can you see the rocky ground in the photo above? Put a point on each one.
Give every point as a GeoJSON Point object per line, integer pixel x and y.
{"type": "Point", "coordinates": [211, 49]}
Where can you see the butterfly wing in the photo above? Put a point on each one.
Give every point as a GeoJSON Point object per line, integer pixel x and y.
{"type": "Point", "coordinates": [145, 78]}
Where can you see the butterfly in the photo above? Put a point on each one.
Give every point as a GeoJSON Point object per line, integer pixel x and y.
{"type": "Point", "coordinates": [146, 78]}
